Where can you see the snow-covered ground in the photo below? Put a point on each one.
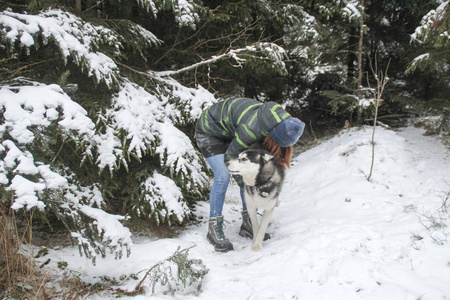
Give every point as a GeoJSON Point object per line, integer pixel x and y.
{"type": "Point", "coordinates": [334, 236]}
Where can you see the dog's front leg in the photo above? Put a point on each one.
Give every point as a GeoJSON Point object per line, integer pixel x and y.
{"type": "Point", "coordinates": [259, 237]}
{"type": "Point", "coordinates": [252, 213]}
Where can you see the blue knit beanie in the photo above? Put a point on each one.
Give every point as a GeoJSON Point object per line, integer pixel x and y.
{"type": "Point", "coordinates": [287, 132]}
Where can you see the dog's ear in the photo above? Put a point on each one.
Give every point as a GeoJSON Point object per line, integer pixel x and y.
{"type": "Point", "coordinates": [266, 157]}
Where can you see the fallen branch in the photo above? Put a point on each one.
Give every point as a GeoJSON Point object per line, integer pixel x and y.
{"type": "Point", "coordinates": [175, 272]}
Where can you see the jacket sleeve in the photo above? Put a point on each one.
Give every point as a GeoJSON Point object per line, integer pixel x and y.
{"type": "Point", "coordinates": [234, 150]}
{"type": "Point", "coordinates": [243, 139]}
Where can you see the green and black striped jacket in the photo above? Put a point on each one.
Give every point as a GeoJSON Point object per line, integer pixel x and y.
{"type": "Point", "coordinates": [241, 121]}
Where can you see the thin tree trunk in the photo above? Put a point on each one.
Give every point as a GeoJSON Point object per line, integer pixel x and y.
{"type": "Point", "coordinates": [360, 49]}
{"type": "Point", "coordinates": [352, 56]}
{"type": "Point", "coordinates": [78, 5]}
{"type": "Point", "coordinates": [360, 63]}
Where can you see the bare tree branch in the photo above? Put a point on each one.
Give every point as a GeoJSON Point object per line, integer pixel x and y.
{"type": "Point", "coordinates": [231, 37]}
{"type": "Point", "coordinates": [231, 54]}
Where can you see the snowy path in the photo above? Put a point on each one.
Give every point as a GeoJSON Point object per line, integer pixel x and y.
{"type": "Point", "coordinates": [335, 235]}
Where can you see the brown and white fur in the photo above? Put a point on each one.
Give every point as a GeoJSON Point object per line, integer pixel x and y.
{"type": "Point", "coordinates": [263, 178]}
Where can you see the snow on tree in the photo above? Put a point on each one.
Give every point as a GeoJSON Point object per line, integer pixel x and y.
{"type": "Point", "coordinates": [30, 113]}
{"type": "Point", "coordinates": [74, 38]}
{"type": "Point", "coordinates": [185, 11]}
{"type": "Point", "coordinates": [139, 122]}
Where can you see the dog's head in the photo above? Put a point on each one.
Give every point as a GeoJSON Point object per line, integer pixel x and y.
{"type": "Point", "coordinates": [248, 164]}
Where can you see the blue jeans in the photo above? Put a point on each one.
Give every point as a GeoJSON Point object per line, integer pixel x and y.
{"type": "Point", "coordinates": [220, 185]}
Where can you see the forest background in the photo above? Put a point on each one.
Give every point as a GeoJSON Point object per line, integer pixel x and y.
{"type": "Point", "coordinates": [108, 93]}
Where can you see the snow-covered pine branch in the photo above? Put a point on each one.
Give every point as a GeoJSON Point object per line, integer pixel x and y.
{"type": "Point", "coordinates": [353, 11]}
{"type": "Point", "coordinates": [427, 33]}
{"type": "Point", "coordinates": [140, 124]}
{"type": "Point", "coordinates": [432, 34]}
{"type": "Point", "coordinates": [162, 198]}
{"type": "Point", "coordinates": [32, 114]}
{"type": "Point", "coordinates": [418, 61]}
{"type": "Point", "coordinates": [265, 51]}
{"type": "Point", "coordinates": [303, 26]}
{"type": "Point", "coordinates": [174, 274]}
{"type": "Point", "coordinates": [185, 11]}
{"type": "Point", "coordinates": [75, 38]}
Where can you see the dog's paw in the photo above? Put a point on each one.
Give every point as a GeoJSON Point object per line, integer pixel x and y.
{"type": "Point", "coordinates": [256, 247]}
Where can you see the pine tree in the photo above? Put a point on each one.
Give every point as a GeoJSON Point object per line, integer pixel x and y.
{"type": "Point", "coordinates": [75, 164]}
{"type": "Point", "coordinates": [333, 96]}
{"type": "Point", "coordinates": [336, 75]}
{"type": "Point", "coordinates": [433, 41]}
{"type": "Point", "coordinates": [433, 36]}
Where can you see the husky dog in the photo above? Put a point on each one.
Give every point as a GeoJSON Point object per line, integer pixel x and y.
{"type": "Point", "coordinates": [263, 178]}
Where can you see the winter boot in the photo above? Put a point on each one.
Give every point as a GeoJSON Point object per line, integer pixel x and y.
{"type": "Point", "coordinates": [246, 227]}
{"type": "Point", "coordinates": [216, 236]}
